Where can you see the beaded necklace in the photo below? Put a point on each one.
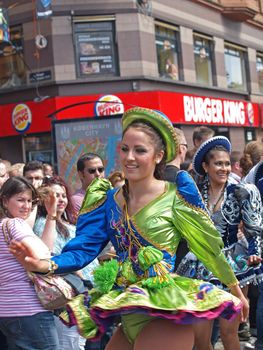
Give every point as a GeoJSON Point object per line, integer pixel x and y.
{"type": "Point", "coordinates": [205, 195]}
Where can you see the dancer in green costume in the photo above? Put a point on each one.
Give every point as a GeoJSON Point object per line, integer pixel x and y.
{"type": "Point", "coordinates": [145, 220]}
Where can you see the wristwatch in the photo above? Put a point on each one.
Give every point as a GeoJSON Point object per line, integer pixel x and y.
{"type": "Point", "coordinates": [51, 268]}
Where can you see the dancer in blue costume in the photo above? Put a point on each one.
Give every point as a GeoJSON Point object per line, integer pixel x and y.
{"type": "Point", "coordinates": [228, 205]}
{"type": "Point", "coordinates": [255, 176]}
{"type": "Point", "coordinates": [145, 220]}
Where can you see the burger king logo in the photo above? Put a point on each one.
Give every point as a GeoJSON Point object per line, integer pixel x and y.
{"type": "Point", "coordinates": [108, 105]}
{"type": "Point", "coordinates": [250, 113]}
{"type": "Point", "coordinates": [21, 117]}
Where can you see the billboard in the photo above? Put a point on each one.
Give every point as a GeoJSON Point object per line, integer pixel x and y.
{"type": "Point", "coordinates": [75, 137]}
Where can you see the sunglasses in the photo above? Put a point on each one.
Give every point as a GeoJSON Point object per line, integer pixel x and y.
{"type": "Point", "coordinates": [93, 170]}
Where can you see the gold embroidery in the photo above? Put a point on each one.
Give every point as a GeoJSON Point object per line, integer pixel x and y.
{"type": "Point", "coordinates": [194, 207]}
{"type": "Point", "coordinates": [94, 206]}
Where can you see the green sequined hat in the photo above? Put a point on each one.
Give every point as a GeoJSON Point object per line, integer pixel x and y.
{"type": "Point", "coordinates": [159, 122]}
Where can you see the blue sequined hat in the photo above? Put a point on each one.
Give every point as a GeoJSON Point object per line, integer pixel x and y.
{"type": "Point", "coordinates": [159, 121]}
{"type": "Point", "coordinates": [206, 147]}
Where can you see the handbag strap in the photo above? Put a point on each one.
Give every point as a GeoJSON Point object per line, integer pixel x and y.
{"type": "Point", "coordinates": [6, 231]}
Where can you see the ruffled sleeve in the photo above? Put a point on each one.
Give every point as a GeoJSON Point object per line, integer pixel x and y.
{"type": "Point", "coordinates": [195, 225]}
{"type": "Point", "coordinates": [250, 205]}
{"type": "Point", "coordinates": [95, 195]}
{"type": "Point", "coordinates": [91, 232]}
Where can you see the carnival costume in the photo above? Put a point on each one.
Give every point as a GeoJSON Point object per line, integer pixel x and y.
{"type": "Point", "coordinates": [240, 203]}
{"type": "Point", "coordinates": [139, 285]}
{"type": "Point", "coordinates": [255, 176]}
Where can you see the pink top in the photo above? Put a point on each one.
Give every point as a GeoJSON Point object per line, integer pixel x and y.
{"type": "Point", "coordinates": [17, 293]}
{"type": "Point", "coordinates": [77, 199]}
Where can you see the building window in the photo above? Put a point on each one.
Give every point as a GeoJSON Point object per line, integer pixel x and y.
{"type": "Point", "coordinates": [203, 59]}
{"type": "Point", "coordinates": [166, 40]}
{"type": "Point", "coordinates": [38, 147]}
{"type": "Point", "coordinates": [12, 66]}
{"type": "Point", "coordinates": [95, 47]}
{"type": "Point", "coordinates": [260, 71]}
{"type": "Point", "coordinates": [221, 131]}
{"type": "Point", "coordinates": [235, 67]}
{"type": "Point", "coordinates": [250, 134]}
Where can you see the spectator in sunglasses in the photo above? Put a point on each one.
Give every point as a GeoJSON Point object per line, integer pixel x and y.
{"type": "Point", "coordinates": [89, 166]}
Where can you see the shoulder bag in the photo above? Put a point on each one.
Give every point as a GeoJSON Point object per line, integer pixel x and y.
{"type": "Point", "coordinates": [53, 291]}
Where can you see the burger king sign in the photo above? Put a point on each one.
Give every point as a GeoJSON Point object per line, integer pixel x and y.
{"type": "Point", "coordinates": [108, 105]}
{"type": "Point", "coordinates": [21, 117]}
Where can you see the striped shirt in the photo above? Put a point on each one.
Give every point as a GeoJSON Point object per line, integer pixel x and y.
{"type": "Point", "coordinates": [17, 293]}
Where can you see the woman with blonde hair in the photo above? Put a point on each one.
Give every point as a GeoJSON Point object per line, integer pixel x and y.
{"type": "Point", "coordinates": [16, 169]}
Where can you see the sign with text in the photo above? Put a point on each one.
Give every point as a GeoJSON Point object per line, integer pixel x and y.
{"type": "Point", "coordinates": [109, 105]}
{"type": "Point", "coordinates": [180, 108]}
{"type": "Point", "coordinates": [95, 53]}
{"type": "Point", "coordinates": [21, 117]}
{"type": "Point", "coordinates": [206, 110]}
{"type": "Point", "coordinates": [73, 138]}
{"type": "Point", "coordinates": [40, 76]}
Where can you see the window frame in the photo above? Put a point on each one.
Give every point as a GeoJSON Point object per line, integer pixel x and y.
{"type": "Point", "coordinates": [243, 65]}
{"type": "Point", "coordinates": [13, 54]}
{"type": "Point", "coordinates": [259, 55]}
{"type": "Point", "coordinates": [211, 47]}
{"type": "Point", "coordinates": [175, 42]}
{"type": "Point", "coordinates": [247, 133]}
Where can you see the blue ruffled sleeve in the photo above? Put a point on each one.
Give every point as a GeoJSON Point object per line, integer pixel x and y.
{"type": "Point", "coordinates": [91, 233]}
{"type": "Point", "coordinates": [251, 213]}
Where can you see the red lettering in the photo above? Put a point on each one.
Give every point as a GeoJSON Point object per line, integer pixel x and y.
{"type": "Point", "coordinates": [22, 117]}
{"type": "Point", "coordinates": [108, 109]}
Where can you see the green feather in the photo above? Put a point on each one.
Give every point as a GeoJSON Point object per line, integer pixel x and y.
{"type": "Point", "coordinates": [105, 276]}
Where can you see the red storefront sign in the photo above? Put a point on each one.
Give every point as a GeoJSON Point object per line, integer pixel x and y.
{"type": "Point", "coordinates": [190, 109]}
{"type": "Point", "coordinates": [180, 108]}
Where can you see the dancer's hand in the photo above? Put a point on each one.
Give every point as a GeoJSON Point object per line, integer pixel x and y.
{"type": "Point", "coordinates": [245, 309]}
{"type": "Point", "coordinates": [26, 256]}
{"type": "Point", "coordinates": [49, 199]}
{"type": "Point", "coordinates": [254, 260]}
{"type": "Point", "coordinates": [236, 291]}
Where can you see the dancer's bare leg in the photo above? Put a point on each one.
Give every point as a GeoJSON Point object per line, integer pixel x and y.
{"type": "Point", "coordinates": [229, 333]}
{"type": "Point", "coordinates": [229, 330]}
{"type": "Point", "coordinates": [202, 335]}
{"type": "Point", "coordinates": [118, 341]}
{"type": "Point", "coordinates": [164, 334]}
